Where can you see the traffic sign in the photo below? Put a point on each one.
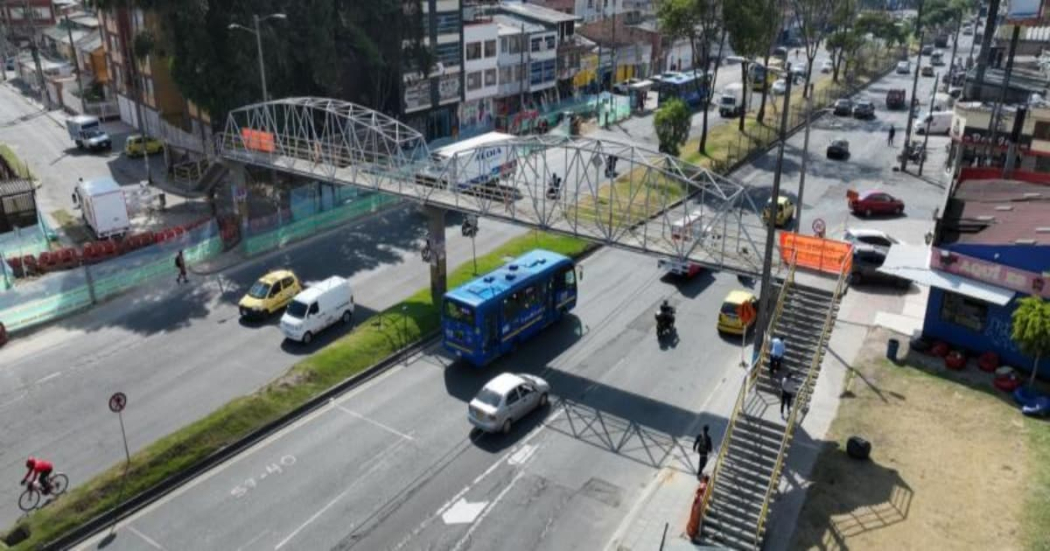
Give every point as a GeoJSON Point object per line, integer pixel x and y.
{"type": "Point", "coordinates": [819, 226]}
{"type": "Point", "coordinates": [117, 402]}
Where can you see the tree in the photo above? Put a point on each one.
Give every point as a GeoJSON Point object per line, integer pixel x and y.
{"type": "Point", "coordinates": [697, 21]}
{"type": "Point", "coordinates": [1031, 330]}
{"type": "Point", "coordinates": [771, 14]}
{"type": "Point", "coordinates": [745, 27]}
{"type": "Point", "coordinates": [672, 122]}
{"type": "Point", "coordinates": [814, 18]}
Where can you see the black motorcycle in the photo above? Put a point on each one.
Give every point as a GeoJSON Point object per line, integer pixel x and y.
{"type": "Point", "coordinates": [665, 324]}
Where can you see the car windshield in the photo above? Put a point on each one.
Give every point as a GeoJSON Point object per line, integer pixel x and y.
{"type": "Point", "coordinates": [728, 100]}
{"type": "Point", "coordinates": [259, 290]}
{"type": "Point", "coordinates": [297, 309]}
{"type": "Point", "coordinates": [488, 397]}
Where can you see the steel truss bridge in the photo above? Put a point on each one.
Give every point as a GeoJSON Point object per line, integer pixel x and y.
{"type": "Point", "coordinates": [649, 203]}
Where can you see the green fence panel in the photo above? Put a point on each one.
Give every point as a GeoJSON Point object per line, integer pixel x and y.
{"type": "Point", "coordinates": [306, 227]}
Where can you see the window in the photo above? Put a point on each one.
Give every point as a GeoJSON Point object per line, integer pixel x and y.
{"type": "Point", "coordinates": [287, 282]}
{"type": "Point", "coordinates": [449, 54]}
{"type": "Point", "coordinates": [512, 397]}
{"type": "Point", "coordinates": [1042, 164]}
{"type": "Point", "coordinates": [275, 289]}
{"type": "Point", "coordinates": [459, 312]}
{"type": "Point", "coordinates": [473, 51]}
{"type": "Point", "coordinates": [490, 48]}
{"type": "Point", "coordinates": [314, 309]}
{"type": "Point", "coordinates": [550, 42]}
{"type": "Point", "coordinates": [506, 74]}
{"type": "Point", "coordinates": [511, 307]}
{"type": "Point", "coordinates": [570, 278]}
{"type": "Point", "coordinates": [474, 80]}
{"type": "Point", "coordinates": [490, 77]}
{"type": "Point", "coordinates": [537, 44]}
{"type": "Point", "coordinates": [1042, 130]}
{"type": "Point", "coordinates": [967, 312]}
{"type": "Point", "coordinates": [448, 23]}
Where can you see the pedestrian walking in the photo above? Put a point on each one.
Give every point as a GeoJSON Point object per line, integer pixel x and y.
{"type": "Point", "coordinates": [180, 263]}
{"type": "Point", "coordinates": [776, 355]}
{"type": "Point", "coordinates": [893, 132]}
{"type": "Point", "coordinates": [788, 390]}
{"type": "Point", "coordinates": [702, 446]}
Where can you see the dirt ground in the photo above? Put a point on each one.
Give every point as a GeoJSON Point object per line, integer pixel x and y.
{"type": "Point", "coordinates": [953, 462]}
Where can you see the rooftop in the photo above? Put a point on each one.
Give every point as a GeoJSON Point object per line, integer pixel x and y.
{"type": "Point", "coordinates": [510, 25]}
{"type": "Point", "coordinates": [998, 212]}
{"type": "Point", "coordinates": [503, 279]}
{"type": "Point", "coordinates": [538, 13]}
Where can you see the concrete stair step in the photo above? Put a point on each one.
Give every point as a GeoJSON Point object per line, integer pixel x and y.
{"type": "Point", "coordinates": [717, 531]}
{"type": "Point", "coordinates": [746, 506]}
{"type": "Point", "coordinates": [740, 487]}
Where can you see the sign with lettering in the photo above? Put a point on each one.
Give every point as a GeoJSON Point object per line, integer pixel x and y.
{"type": "Point", "coordinates": [816, 253]}
{"type": "Point", "coordinates": [989, 272]}
{"type": "Point", "coordinates": [980, 136]}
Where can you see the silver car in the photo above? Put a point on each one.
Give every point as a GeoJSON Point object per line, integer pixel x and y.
{"type": "Point", "coordinates": [506, 399]}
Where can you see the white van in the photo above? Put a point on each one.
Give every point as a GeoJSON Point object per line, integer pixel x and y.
{"type": "Point", "coordinates": [938, 122]}
{"type": "Point", "coordinates": [317, 307]}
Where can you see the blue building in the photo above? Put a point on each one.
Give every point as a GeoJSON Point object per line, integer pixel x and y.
{"type": "Point", "coordinates": [991, 247]}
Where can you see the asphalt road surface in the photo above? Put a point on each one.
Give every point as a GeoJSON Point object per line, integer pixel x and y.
{"type": "Point", "coordinates": [394, 465]}
{"type": "Point", "coordinates": [180, 352]}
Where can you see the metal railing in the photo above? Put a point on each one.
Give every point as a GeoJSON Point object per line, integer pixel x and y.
{"type": "Point", "coordinates": [746, 385]}
{"type": "Point", "coordinates": [805, 389]}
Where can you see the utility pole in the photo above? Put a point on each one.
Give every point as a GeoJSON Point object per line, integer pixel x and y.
{"type": "Point", "coordinates": [132, 64]}
{"type": "Point", "coordinates": [986, 44]}
{"type": "Point", "coordinates": [765, 302]}
{"type": "Point", "coordinates": [926, 137]}
{"type": "Point", "coordinates": [76, 66]}
{"type": "Point", "coordinates": [3, 47]}
{"type": "Point", "coordinates": [993, 125]}
{"type": "Point", "coordinates": [914, 89]}
{"type": "Point", "coordinates": [805, 157]}
{"type": "Point", "coordinates": [30, 16]}
{"type": "Point", "coordinates": [955, 46]}
{"type": "Point", "coordinates": [521, 83]}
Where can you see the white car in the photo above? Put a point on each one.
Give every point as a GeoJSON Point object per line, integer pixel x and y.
{"type": "Point", "coordinates": [903, 67]}
{"type": "Point", "coordinates": [878, 238]}
{"type": "Point", "coordinates": [827, 66]}
{"type": "Point", "coordinates": [506, 399]}
{"type": "Point", "coordinates": [779, 87]}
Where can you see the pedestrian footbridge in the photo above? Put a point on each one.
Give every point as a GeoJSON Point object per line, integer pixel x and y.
{"type": "Point", "coordinates": [618, 194]}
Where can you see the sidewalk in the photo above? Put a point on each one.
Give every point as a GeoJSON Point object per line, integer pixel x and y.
{"type": "Point", "coordinates": [667, 500]}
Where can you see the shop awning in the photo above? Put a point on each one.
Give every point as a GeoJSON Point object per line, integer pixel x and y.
{"type": "Point", "coordinates": [913, 262]}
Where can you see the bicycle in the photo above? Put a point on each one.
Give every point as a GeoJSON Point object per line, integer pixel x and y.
{"type": "Point", "coordinates": [30, 498]}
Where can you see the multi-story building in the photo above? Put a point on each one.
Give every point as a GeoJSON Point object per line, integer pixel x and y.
{"type": "Point", "coordinates": [624, 51]}
{"type": "Point", "coordinates": [527, 61]}
{"type": "Point", "coordinates": [22, 24]}
{"type": "Point", "coordinates": [146, 84]}
{"type": "Point", "coordinates": [430, 102]}
{"type": "Point", "coordinates": [974, 145]}
{"type": "Point", "coordinates": [481, 67]}
{"type": "Point", "coordinates": [570, 47]}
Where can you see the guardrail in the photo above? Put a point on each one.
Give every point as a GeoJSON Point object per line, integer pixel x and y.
{"type": "Point", "coordinates": [804, 391]}
{"type": "Point", "coordinates": [746, 385]}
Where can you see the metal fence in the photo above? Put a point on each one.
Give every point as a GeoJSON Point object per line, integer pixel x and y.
{"type": "Point", "coordinates": [58, 294]}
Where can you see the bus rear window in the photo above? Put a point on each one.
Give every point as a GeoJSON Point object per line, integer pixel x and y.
{"type": "Point", "coordinates": [459, 312]}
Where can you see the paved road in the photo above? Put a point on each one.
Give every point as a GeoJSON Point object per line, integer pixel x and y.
{"type": "Point", "coordinates": [392, 465]}
{"type": "Point", "coordinates": [180, 352]}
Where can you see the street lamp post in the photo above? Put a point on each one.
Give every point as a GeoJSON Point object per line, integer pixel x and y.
{"type": "Point", "coordinates": [258, 44]}
{"type": "Point", "coordinates": [914, 88]}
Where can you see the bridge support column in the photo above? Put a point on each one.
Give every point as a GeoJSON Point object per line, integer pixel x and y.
{"type": "Point", "coordinates": [435, 252]}
{"type": "Point", "coordinates": [239, 189]}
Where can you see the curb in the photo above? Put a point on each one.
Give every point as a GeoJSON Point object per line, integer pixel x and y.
{"type": "Point", "coordinates": [137, 502]}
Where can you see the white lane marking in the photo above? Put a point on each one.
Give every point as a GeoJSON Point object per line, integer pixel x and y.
{"type": "Point", "coordinates": [253, 540]}
{"type": "Point", "coordinates": [144, 537]}
{"type": "Point", "coordinates": [48, 378]}
{"type": "Point", "coordinates": [466, 537]}
{"type": "Point", "coordinates": [376, 461]}
{"type": "Point", "coordinates": [522, 455]}
{"type": "Point", "coordinates": [374, 422]}
{"type": "Point", "coordinates": [463, 512]}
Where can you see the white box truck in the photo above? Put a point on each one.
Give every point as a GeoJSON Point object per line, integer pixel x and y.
{"type": "Point", "coordinates": [476, 161]}
{"type": "Point", "coordinates": [732, 100]}
{"type": "Point", "coordinates": [86, 131]}
{"type": "Point", "coordinates": [103, 207]}
{"type": "Point", "coordinates": [316, 308]}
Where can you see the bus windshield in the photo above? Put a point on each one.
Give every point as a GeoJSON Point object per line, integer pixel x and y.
{"type": "Point", "coordinates": [459, 312]}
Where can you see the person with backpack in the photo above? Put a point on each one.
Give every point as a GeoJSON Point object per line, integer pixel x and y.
{"type": "Point", "coordinates": [702, 446]}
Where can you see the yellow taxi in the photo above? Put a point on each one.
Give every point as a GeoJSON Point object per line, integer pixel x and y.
{"type": "Point", "coordinates": [785, 211]}
{"type": "Point", "coordinates": [271, 293]}
{"type": "Point", "coordinates": [729, 318]}
{"type": "Point", "coordinates": [137, 145]}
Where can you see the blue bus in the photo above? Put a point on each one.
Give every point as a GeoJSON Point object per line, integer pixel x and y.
{"type": "Point", "coordinates": [691, 87]}
{"type": "Point", "coordinates": [487, 317]}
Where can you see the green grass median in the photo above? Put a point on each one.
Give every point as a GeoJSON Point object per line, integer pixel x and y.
{"type": "Point", "coordinates": [366, 345]}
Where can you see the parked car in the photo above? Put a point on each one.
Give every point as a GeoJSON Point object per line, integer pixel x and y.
{"type": "Point", "coordinates": [927, 71]}
{"type": "Point", "coordinates": [779, 87]}
{"type": "Point", "coordinates": [269, 294]}
{"type": "Point", "coordinates": [839, 149]}
{"type": "Point", "coordinates": [728, 318]}
{"type": "Point", "coordinates": [903, 67]}
{"type": "Point", "coordinates": [843, 107]}
{"type": "Point", "coordinates": [867, 236]}
{"type": "Point", "coordinates": [967, 31]}
{"type": "Point", "coordinates": [896, 99]}
{"type": "Point", "coordinates": [864, 110]}
{"type": "Point", "coordinates": [865, 268]}
{"type": "Point", "coordinates": [136, 145]}
{"type": "Point", "coordinates": [506, 399]}
{"type": "Point", "coordinates": [873, 202]}
{"type": "Point", "coordinates": [827, 66]}
{"type": "Point", "coordinates": [785, 211]}
{"type": "Point", "coordinates": [798, 72]}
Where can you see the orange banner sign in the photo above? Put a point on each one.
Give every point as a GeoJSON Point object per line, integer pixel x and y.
{"type": "Point", "coordinates": [824, 255]}
{"type": "Point", "coordinates": [257, 140]}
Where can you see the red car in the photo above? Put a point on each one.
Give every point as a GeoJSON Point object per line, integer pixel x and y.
{"type": "Point", "coordinates": [872, 202]}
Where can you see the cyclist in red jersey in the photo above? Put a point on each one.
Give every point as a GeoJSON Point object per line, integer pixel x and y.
{"type": "Point", "coordinates": [39, 470]}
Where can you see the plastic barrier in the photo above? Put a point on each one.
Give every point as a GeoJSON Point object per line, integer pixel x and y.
{"type": "Point", "coordinates": [989, 361]}
{"type": "Point", "coordinates": [696, 514]}
{"type": "Point", "coordinates": [955, 360]}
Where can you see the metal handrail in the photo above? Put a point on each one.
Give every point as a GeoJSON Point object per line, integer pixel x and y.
{"type": "Point", "coordinates": [790, 430]}
{"type": "Point", "coordinates": [745, 387]}
{"type": "Point", "coordinates": [789, 280]}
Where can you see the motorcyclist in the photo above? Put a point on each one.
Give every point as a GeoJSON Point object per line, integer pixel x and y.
{"type": "Point", "coordinates": [666, 315]}
{"type": "Point", "coordinates": [554, 190]}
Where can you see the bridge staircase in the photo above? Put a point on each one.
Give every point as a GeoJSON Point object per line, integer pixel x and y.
{"type": "Point", "coordinates": [751, 458]}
